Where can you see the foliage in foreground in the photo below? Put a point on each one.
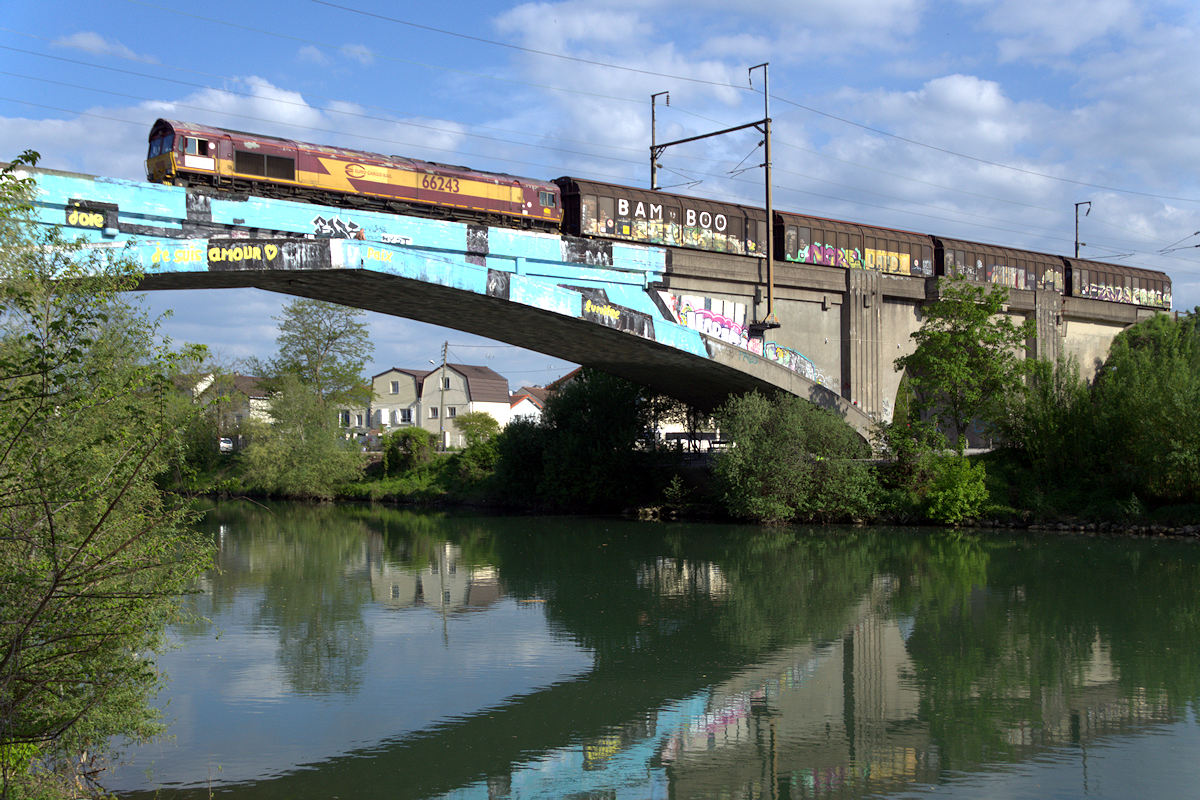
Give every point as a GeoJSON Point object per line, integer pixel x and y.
{"type": "Point", "coordinates": [1136, 428]}
{"type": "Point", "coordinates": [790, 460]}
{"type": "Point", "coordinates": [587, 451]}
{"type": "Point", "coordinates": [93, 557]}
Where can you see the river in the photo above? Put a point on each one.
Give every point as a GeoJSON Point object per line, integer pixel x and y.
{"type": "Point", "coordinates": [354, 652]}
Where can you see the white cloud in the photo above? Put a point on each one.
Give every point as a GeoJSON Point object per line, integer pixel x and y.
{"type": "Point", "coordinates": [1142, 111]}
{"type": "Point", "coordinates": [1038, 30]}
{"type": "Point", "coordinates": [742, 46]}
{"type": "Point", "coordinates": [559, 27]}
{"type": "Point", "coordinates": [257, 105]}
{"type": "Point", "coordinates": [358, 52]}
{"type": "Point", "coordinates": [610, 20]}
{"type": "Point", "coordinates": [312, 55]}
{"type": "Point", "coordinates": [959, 112]}
{"type": "Point", "coordinates": [97, 45]}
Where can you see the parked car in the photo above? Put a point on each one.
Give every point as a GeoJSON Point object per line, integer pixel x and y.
{"type": "Point", "coordinates": [225, 444]}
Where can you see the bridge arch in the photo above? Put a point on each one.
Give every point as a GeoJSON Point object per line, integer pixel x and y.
{"type": "Point", "coordinates": [604, 304]}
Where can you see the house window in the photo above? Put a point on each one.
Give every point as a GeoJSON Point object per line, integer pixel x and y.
{"type": "Point", "coordinates": [358, 420]}
{"type": "Point", "coordinates": [406, 416]}
{"type": "Point", "coordinates": [345, 419]}
{"type": "Point", "coordinates": [433, 412]}
{"type": "Point", "coordinates": [445, 383]}
{"type": "Point", "coordinates": [395, 387]}
{"type": "Point", "coordinates": [395, 418]}
{"type": "Point", "coordinates": [451, 411]}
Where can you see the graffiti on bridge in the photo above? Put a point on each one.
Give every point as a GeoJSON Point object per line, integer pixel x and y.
{"type": "Point", "coordinates": [336, 228]}
{"type": "Point", "coordinates": [726, 320]}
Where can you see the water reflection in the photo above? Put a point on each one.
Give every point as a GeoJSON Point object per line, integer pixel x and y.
{"type": "Point", "coordinates": [421, 655]}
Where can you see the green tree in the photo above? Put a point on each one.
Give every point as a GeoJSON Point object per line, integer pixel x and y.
{"type": "Point", "coordinates": [1147, 408]}
{"type": "Point", "coordinates": [327, 347]}
{"type": "Point", "coordinates": [1050, 421]}
{"type": "Point", "coordinates": [477, 427]}
{"type": "Point", "coordinates": [93, 557]}
{"type": "Point", "coordinates": [520, 460]}
{"type": "Point", "coordinates": [966, 359]}
{"type": "Point", "coordinates": [302, 452]}
{"type": "Point", "coordinates": [1137, 427]}
{"type": "Point", "coordinates": [790, 460]}
{"type": "Point", "coordinates": [592, 460]}
{"type": "Point", "coordinates": [587, 451]}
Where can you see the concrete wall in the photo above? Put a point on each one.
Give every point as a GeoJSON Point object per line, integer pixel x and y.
{"type": "Point", "coordinates": [1088, 342]}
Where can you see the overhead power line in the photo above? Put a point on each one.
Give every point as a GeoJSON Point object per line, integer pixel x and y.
{"type": "Point", "coordinates": [726, 85]}
{"type": "Point", "coordinates": [621, 67]}
{"type": "Point", "coordinates": [531, 50]}
{"type": "Point", "coordinates": [979, 160]}
{"type": "Point", "coordinates": [907, 210]}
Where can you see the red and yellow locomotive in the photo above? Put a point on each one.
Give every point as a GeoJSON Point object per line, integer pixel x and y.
{"type": "Point", "coordinates": [186, 154]}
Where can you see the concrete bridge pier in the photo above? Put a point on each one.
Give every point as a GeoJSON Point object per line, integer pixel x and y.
{"type": "Point", "coordinates": [862, 339]}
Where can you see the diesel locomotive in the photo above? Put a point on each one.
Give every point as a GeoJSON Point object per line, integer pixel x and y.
{"type": "Point", "coordinates": [187, 154]}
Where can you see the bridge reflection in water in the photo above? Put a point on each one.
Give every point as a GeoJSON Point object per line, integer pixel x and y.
{"type": "Point", "coordinates": [723, 662]}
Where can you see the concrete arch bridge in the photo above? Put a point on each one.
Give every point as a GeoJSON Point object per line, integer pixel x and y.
{"type": "Point", "coordinates": [675, 320]}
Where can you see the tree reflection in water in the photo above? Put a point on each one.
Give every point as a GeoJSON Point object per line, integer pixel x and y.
{"type": "Point", "coordinates": [725, 661]}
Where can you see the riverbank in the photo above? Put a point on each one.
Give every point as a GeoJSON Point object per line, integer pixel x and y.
{"type": "Point", "coordinates": [691, 494]}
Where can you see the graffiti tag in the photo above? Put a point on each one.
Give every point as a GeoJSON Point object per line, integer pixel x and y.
{"type": "Point", "coordinates": [337, 228]}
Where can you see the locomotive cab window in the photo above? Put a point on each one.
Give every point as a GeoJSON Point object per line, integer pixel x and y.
{"type": "Point", "coordinates": [546, 199]}
{"type": "Point", "coordinates": [161, 145]}
{"type": "Point", "coordinates": [195, 147]}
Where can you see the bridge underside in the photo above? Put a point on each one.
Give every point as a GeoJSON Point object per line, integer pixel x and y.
{"type": "Point", "coordinates": [703, 382]}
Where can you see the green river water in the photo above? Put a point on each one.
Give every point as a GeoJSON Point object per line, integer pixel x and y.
{"type": "Point", "coordinates": [344, 652]}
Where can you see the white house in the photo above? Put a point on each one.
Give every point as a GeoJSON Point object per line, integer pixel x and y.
{"type": "Point", "coordinates": [431, 399]}
{"type": "Point", "coordinates": [527, 403]}
{"type": "Point", "coordinates": [457, 389]}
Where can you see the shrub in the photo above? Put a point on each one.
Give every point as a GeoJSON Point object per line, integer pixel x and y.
{"type": "Point", "coordinates": [407, 449]}
{"type": "Point", "coordinates": [958, 490]}
{"type": "Point", "coordinates": [520, 455]}
{"type": "Point", "coordinates": [790, 460]}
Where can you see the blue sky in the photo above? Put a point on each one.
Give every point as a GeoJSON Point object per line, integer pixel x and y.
{"type": "Point", "coordinates": [979, 120]}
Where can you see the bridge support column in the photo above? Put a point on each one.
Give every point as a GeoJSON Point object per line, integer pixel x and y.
{"type": "Point", "coordinates": [862, 321]}
{"type": "Point", "coordinates": [1047, 307]}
